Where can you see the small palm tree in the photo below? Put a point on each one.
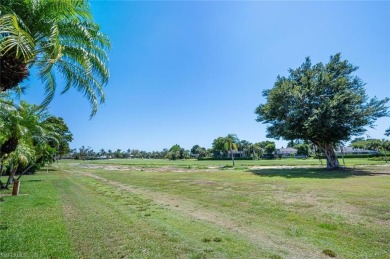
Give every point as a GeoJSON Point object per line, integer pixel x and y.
{"type": "Point", "coordinates": [22, 155]}
{"type": "Point", "coordinates": [27, 138]}
{"type": "Point", "coordinates": [231, 143]}
{"type": "Point", "coordinates": [22, 122]}
{"type": "Point", "coordinates": [11, 131]}
{"type": "Point", "coordinates": [258, 150]}
{"type": "Point", "coordinates": [55, 37]}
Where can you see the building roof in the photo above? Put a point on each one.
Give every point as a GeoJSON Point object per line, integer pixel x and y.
{"type": "Point", "coordinates": [355, 150]}
{"type": "Point", "coordinates": [288, 149]}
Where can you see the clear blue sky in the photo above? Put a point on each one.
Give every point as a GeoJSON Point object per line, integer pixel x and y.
{"type": "Point", "coordinates": [188, 72]}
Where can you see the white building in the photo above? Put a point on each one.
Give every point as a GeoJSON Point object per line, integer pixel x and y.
{"type": "Point", "coordinates": [355, 151]}
{"type": "Point", "coordinates": [288, 151]}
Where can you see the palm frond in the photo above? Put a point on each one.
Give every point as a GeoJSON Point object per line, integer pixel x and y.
{"type": "Point", "coordinates": [14, 40]}
{"type": "Point", "coordinates": [61, 37]}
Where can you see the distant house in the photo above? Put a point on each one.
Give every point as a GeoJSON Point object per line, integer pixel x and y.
{"type": "Point", "coordinates": [236, 153]}
{"type": "Point", "coordinates": [355, 151]}
{"type": "Point", "coordinates": [194, 155]}
{"type": "Point", "coordinates": [288, 151]}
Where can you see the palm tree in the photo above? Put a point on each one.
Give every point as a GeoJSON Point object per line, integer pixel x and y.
{"type": "Point", "coordinates": [231, 143]}
{"type": "Point", "coordinates": [385, 144]}
{"type": "Point", "coordinates": [25, 139]}
{"type": "Point", "coordinates": [22, 156]}
{"type": "Point", "coordinates": [55, 37]}
{"type": "Point", "coordinates": [258, 150]}
{"type": "Point", "coordinates": [245, 147]}
{"type": "Point", "coordinates": [12, 130]}
{"type": "Point", "coordinates": [102, 152]}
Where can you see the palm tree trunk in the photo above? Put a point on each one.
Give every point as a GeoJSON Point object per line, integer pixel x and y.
{"type": "Point", "coordinates": [1, 173]}
{"type": "Point", "coordinates": [12, 72]}
{"type": "Point", "coordinates": [12, 172]}
{"type": "Point", "coordinates": [342, 154]}
{"type": "Point", "coordinates": [231, 153]}
{"type": "Point", "coordinates": [25, 171]}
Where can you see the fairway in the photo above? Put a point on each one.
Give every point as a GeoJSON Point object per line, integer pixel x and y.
{"type": "Point", "coordinates": [350, 162]}
{"type": "Point", "coordinates": [198, 209]}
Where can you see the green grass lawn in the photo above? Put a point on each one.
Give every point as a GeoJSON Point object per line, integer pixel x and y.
{"type": "Point", "coordinates": [239, 163]}
{"type": "Point", "coordinates": [184, 209]}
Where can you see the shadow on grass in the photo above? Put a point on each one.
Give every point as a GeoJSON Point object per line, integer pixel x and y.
{"type": "Point", "coordinates": [33, 180]}
{"type": "Point", "coordinates": [317, 173]}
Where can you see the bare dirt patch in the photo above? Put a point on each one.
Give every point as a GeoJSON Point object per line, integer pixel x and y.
{"type": "Point", "coordinates": [284, 167]}
{"type": "Point", "coordinates": [144, 168]}
{"type": "Point", "coordinates": [69, 211]}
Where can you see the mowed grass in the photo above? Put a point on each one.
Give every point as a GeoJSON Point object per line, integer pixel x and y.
{"type": "Point", "coordinates": [96, 210]}
{"type": "Point", "coordinates": [33, 225]}
{"type": "Point", "coordinates": [239, 163]}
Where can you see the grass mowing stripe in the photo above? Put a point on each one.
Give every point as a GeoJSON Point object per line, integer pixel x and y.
{"type": "Point", "coordinates": [32, 224]}
{"type": "Point", "coordinates": [161, 232]}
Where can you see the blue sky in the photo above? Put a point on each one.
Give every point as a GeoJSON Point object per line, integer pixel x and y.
{"type": "Point", "coordinates": [188, 72]}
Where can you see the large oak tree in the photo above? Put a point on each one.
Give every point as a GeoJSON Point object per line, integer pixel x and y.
{"type": "Point", "coordinates": [323, 103]}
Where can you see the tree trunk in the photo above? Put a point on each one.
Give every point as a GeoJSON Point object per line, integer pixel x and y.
{"type": "Point", "coordinates": [342, 154]}
{"type": "Point", "coordinates": [331, 159]}
{"type": "Point", "coordinates": [231, 153]}
{"type": "Point", "coordinates": [25, 171]}
{"type": "Point", "coordinates": [12, 172]}
{"type": "Point", "coordinates": [2, 186]}
{"type": "Point", "coordinates": [15, 190]}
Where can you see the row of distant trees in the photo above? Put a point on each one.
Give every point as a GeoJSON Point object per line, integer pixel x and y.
{"type": "Point", "coordinates": [228, 147]}
{"type": "Point", "coordinates": [87, 153]}
{"type": "Point", "coordinates": [222, 147]}
{"type": "Point", "coordinates": [379, 145]}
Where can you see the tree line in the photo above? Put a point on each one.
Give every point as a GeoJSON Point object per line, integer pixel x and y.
{"type": "Point", "coordinates": [229, 147]}
{"type": "Point", "coordinates": [222, 147]}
